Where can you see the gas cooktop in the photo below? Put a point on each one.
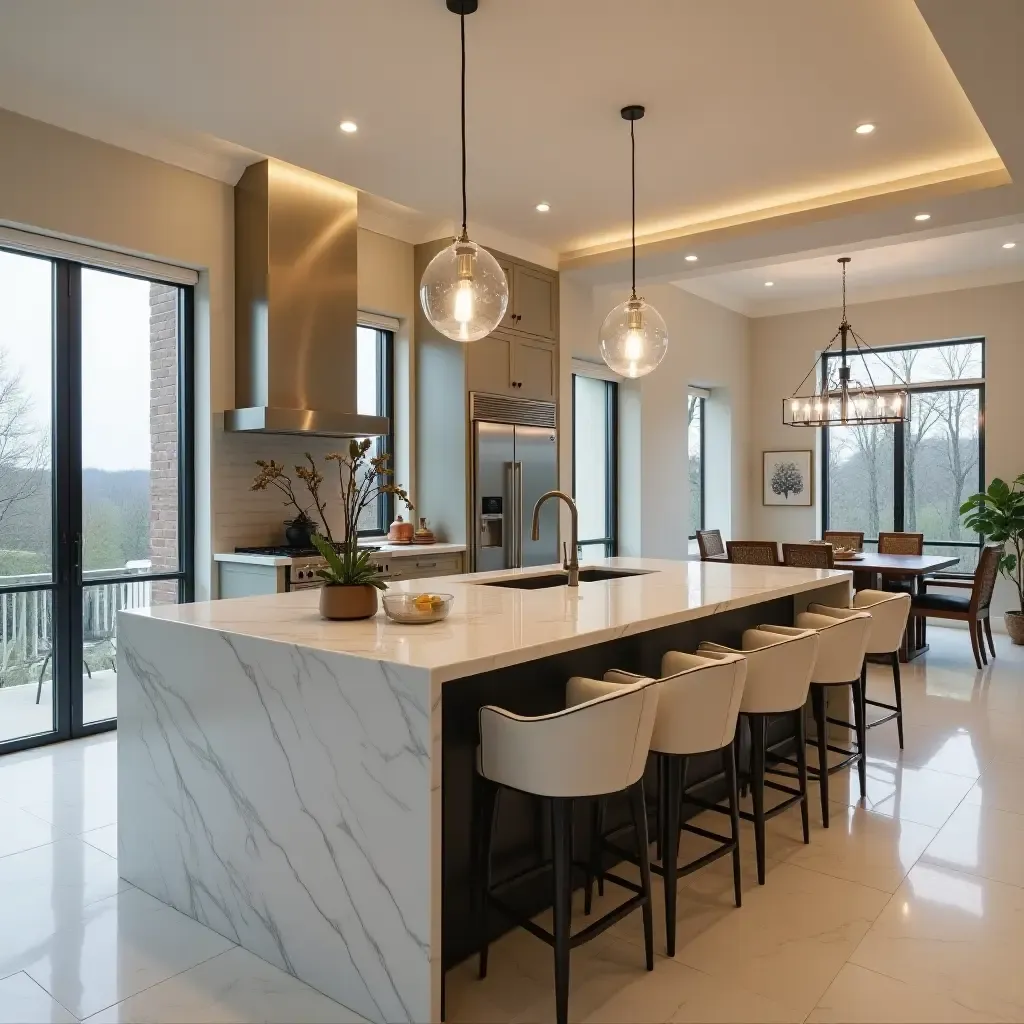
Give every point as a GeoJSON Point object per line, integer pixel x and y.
{"type": "Point", "coordinates": [286, 551]}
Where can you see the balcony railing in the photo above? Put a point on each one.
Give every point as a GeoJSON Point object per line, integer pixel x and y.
{"type": "Point", "coordinates": [26, 620]}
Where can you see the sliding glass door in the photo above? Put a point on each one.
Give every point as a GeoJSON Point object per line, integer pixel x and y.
{"type": "Point", "coordinates": [95, 464]}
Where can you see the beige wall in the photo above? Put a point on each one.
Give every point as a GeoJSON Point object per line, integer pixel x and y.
{"type": "Point", "coordinates": [784, 348]}
{"type": "Point", "coordinates": [74, 187]}
{"type": "Point", "coordinates": [709, 347]}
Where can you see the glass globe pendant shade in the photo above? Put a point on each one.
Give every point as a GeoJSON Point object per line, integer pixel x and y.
{"type": "Point", "coordinates": [634, 339]}
{"type": "Point", "coordinates": [463, 291]}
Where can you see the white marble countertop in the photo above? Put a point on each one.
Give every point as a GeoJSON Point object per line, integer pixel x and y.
{"type": "Point", "coordinates": [391, 550]}
{"type": "Point", "coordinates": [491, 627]}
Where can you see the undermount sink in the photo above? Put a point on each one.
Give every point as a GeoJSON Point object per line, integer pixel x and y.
{"type": "Point", "coordinates": [560, 579]}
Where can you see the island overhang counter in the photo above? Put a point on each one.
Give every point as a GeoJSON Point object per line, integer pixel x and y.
{"type": "Point", "coordinates": [302, 786]}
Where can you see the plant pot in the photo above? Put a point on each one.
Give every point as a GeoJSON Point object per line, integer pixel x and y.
{"type": "Point", "coordinates": [1015, 626]}
{"type": "Point", "coordinates": [298, 533]}
{"type": "Point", "coordinates": [338, 602]}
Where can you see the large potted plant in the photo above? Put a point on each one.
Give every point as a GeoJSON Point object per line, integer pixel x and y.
{"type": "Point", "coordinates": [998, 515]}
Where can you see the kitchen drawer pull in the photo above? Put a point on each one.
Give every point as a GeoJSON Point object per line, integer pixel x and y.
{"type": "Point", "coordinates": [426, 565]}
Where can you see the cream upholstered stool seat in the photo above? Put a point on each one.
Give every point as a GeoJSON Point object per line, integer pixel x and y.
{"type": "Point", "coordinates": [889, 614]}
{"type": "Point", "coordinates": [842, 642]}
{"type": "Point", "coordinates": [697, 711]}
{"type": "Point", "coordinates": [778, 674]}
{"type": "Point", "coordinates": [595, 747]}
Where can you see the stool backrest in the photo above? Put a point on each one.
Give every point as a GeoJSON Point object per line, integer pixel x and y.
{"type": "Point", "coordinates": [901, 543]}
{"type": "Point", "coordinates": [709, 543]}
{"type": "Point", "coordinates": [889, 613]}
{"type": "Point", "coordinates": [699, 701]}
{"type": "Point", "coordinates": [808, 556]}
{"type": "Point", "coordinates": [597, 745]}
{"type": "Point", "coordinates": [753, 552]}
{"type": "Point", "coordinates": [842, 644]}
{"type": "Point", "coordinates": [779, 667]}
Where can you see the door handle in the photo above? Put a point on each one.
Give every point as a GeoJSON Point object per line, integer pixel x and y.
{"type": "Point", "coordinates": [517, 470]}
{"type": "Point", "coordinates": [76, 558]}
{"type": "Point", "coordinates": [510, 519]}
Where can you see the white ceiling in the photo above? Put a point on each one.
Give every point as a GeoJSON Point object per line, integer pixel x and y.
{"type": "Point", "coordinates": [751, 106]}
{"type": "Point", "coordinates": [928, 264]}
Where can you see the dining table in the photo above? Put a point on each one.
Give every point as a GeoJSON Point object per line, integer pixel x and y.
{"type": "Point", "coordinates": [867, 566]}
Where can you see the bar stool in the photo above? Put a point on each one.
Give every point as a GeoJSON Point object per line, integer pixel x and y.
{"type": "Point", "coordinates": [597, 746]}
{"type": "Point", "coordinates": [842, 642]}
{"type": "Point", "coordinates": [778, 674]}
{"type": "Point", "coordinates": [889, 614]}
{"type": "Point", "coordinates": [697, 711]}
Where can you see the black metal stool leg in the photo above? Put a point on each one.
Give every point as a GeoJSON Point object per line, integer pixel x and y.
{"type": "Point", "coordinates": [595, 859]}
{"type": "Point", "coordinates": [899, 695]}
{"type": "Point", "coordinates": [561, 843]}
{"type": "Point", "coordinates": [729, 764]}
{"type": "Point", "coordinates": [821, 727]}
{"type": "Point", "coordinates": [487, 813]}
{"type": "Point", "coordinates": [860, 725]}
{"type": "Point", "coordinates": [801, 769]}
{"type": "Point", "coordinates": [638, 807]}
{"type": "Point", "coordinates": [673, 773]}
{"type": "Point", "coordinates": [757, 767]}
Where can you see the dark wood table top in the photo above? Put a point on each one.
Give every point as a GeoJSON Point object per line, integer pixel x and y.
{"type": "Point", "coordinates": [897, 565]}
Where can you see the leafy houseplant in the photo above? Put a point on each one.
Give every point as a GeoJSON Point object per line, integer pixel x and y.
{"type": "Point", "coordinates": [998, 515]}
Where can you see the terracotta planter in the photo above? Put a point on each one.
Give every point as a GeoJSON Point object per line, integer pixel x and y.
{"type": "Point", "coordinates": [1015, 626]}
{"type": "Point", "coordinates": [338, 602]}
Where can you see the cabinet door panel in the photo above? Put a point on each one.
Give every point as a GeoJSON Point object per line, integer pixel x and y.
{"type": "Point", "coordinates": [508, 321]}
{"type": "Point", "coordinates": [535, 370]}
{"type": "Point", "coordinates": [489, 365]}
{"type": "Point", "coordinates": [536, 302]}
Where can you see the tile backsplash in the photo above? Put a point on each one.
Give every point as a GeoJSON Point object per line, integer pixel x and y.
{"type": "Point", "coordinates": [245, 518]}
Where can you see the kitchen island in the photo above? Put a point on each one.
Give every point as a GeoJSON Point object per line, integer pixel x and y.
{"type": "Point", "coordinates": [303, 787]}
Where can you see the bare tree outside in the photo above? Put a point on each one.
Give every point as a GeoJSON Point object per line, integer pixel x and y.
{"type": "Point", "coordinates": [694, 416]}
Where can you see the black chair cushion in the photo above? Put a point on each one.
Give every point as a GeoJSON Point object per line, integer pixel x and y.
{"type": "Point", "coordinates": [942, 602]}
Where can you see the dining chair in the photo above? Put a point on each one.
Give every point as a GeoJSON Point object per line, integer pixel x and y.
{"type": "Point", "coordinates": [901, 543]}
{"type": "Point", "coordinates": [972, 609]}
{"type": "Point", "coordinates": [710, 546]}
{"type": "Point", "coordinates": [808, 556]}
{"type": "Point", "coordinates": [753, 552]}
{"type": "Point", "coordinates": [848, 539]}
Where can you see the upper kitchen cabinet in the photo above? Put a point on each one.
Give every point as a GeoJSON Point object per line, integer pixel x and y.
{"type": "Point", "coordinates": [534, 302]}
{"type": "Point", "coordinates": [535, 369]}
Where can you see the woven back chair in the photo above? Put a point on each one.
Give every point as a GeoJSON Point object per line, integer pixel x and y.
{"type": "Point", "coordinates": [901, 543]}
{"type": "Point", "coordinates": [808, 556]}
{"type": "Point", "coordinates": [709, 543]}
{"type": "Point", "coordinates": [753, 552]}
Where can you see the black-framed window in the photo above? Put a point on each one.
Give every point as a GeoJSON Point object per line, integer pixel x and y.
{"type": "Point", "coordinates": [595, 463]}
{"type": "Point", "coordinates": [913, 476]}
{"type": "Point", "coordinates": [96, 481]}
{"type": "Point", "coordinates": [375, 396]}
{"type": "Point", "coordinates": [695, 427]}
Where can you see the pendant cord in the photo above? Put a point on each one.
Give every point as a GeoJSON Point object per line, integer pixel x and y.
{"type": "Point", "coordinates": [462, 31]}
{"type": "Point", "coordinates": [632, 186]}
{"type": "Point", "coordinates": [844, 293]}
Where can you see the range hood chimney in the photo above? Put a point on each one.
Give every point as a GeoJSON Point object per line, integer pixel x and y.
{"type": "Point", "coordinates": [295, 305]}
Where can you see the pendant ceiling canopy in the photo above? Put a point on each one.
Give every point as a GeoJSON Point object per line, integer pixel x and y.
{"type": "Point", "coordinates": [839, 399]}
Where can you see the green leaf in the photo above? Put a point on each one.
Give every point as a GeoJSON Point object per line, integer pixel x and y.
{"type": "Point", "coordinates": [331, 556]}
{"type": "Point", "coordinates": [998, 489]}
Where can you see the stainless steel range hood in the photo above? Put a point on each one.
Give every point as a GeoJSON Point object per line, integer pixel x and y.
{"type": "Point", "coordinates": [295, 305]}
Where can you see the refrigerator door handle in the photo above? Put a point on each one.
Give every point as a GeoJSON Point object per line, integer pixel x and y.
{"type": "Point", "coordinates": [517, 501]}
{"type": "Point", "coordinates": [511, 522]}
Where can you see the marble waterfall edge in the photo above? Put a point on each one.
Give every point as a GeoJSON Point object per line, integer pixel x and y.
{"type": "Point", "coordinates": [282, 796]}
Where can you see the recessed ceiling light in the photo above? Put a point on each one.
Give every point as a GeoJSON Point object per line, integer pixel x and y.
{"type": "Point", "coordinates": [769, 284]}
{"type": "Point", "coordinates": [865, 129]}
{"type": "Point", "coordinates": [922, 216]}
{"type": "Point", "coordinates": [691, 258]}
{"type": "Point", "coordinates": [1009, 245]}
{"type": "Point", "coordinates": [348, 127]}
{"type": "Point", "coordinates": [543, 207]}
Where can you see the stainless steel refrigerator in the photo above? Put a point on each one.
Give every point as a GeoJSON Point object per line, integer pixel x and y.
{"type": "Point", "coordinates": [513, 465]}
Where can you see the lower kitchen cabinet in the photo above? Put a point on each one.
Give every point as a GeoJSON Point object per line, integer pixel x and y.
{"type": "Point", "coordinates": [420, 566]}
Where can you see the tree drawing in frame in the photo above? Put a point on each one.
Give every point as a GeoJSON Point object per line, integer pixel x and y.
{"type": "Point", "coordinates": [787, 478]}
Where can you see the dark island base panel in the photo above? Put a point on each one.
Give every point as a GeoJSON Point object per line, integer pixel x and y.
{"type": "Point", "coordinates": [522, 838]}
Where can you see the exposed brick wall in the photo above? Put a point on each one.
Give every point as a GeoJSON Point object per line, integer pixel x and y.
{"type": "Point", "coordinates": [163, 435]}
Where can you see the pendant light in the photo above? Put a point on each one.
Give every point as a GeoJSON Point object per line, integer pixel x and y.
{"type": "Point", "coordinates": [634, 339]}
{"type": "Point", "coordinates": [838, 400]}
{"type": "Point", "coordinates": [463, 291]}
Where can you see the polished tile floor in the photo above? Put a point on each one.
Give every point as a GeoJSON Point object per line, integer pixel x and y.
{"type": "Point", "coordinates": [909, 908]}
